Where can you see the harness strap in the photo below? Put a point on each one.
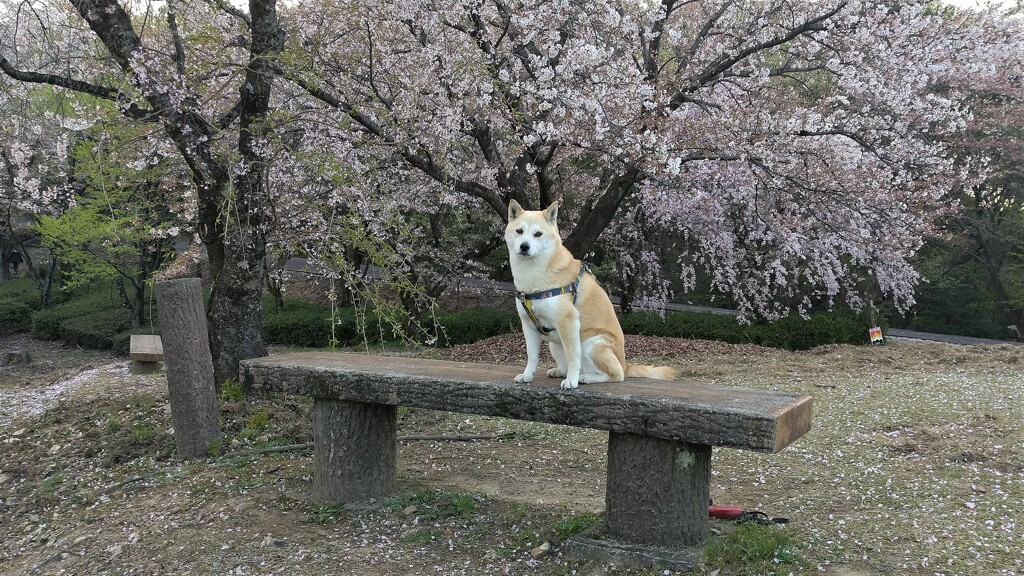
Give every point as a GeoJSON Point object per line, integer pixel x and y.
{"type": "Point", "coordinates": [527, 298]}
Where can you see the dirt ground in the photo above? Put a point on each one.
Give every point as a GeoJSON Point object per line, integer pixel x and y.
{"type": "Point", "coordinates": [914, 466]}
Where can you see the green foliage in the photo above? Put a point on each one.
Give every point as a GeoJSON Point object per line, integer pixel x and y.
{"type": "Point", "coordinates": [956, 300]}
{"type": "Point", "coordinates": [435, 505]}
{"type": "Point", "coordinates": [574, 524]}
{"type": "Point", "coordinates": [231, 391]}
{"type": "Point", "coordinates": [257, 421]}
{"type": "Point", "coordinates": [474, 324]}
{"type": "Point", "coordinates": [15, 316]}
{"type": "Point", "coordinates": [298, 324]}
{"type": "Point", "coordinates": [751, 549]}
{"type": "Point", "coordinates": [309, 324]}
{"type": "Point", "coordinates": [143, 432]}
{"type": "Point", "coordinates": [96, 330]}
{"type": "Point", "coordinates": [328, 513]}
{"type": "Point", "coordinates": [52, 483]}
{"type": "Point", "coordinates": [790, 333]}
{"type": "Point", "coordinates": [23, 290]}
{"type": "Point", "coordinates": [46, 324]}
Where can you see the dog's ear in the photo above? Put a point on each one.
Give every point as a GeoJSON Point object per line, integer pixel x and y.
{"type": "Point", "coordinates": [514, 210]}
{"type": "Point", "coordinates": [551, 213]}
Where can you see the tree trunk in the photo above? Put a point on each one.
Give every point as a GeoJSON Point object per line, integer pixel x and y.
{"type": "Point", "coordinates": [5, 250]}
{"type": "Point", "coordinates": [236, 311]}
{"type": "Point", "coordinates": [657, 490]}
{"type": "Point", "coordinates": [354, 450]}
{"type": "Point", "coordinates": [235, 307]}
{"type": "Point", "coordinates": [194, 408]}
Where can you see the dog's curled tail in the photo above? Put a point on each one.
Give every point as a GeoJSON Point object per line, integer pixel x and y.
{"type": "Point", "coordinates": [658, 372]}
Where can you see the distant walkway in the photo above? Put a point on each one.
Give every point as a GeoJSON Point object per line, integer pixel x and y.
{"type": "Point", "coordinates": [300, 265]}
{"type": "Point", "coordinates": [950, 338]}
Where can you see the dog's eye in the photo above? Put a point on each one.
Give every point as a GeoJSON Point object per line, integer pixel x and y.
{"type": "Point", "coordinates": [519, 230]}
{"type": "Point", "coordinates": [537, 234]}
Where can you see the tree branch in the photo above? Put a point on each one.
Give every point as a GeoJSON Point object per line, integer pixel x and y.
{"type": "Point", "coordinates": [128, 108]}
{"type": "Point", "coordinates": [417, 158]}
{"type": "Point", "coordinates": [726, 61]}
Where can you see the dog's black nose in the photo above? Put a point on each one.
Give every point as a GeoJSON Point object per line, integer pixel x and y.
{"type": "Point", "coordinates": [524, 247]}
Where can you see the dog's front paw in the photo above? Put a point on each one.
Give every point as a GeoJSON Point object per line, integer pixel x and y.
{"type": "Point", "coordinates": [568, 384]}
{"type": "Point", "coordinates": [556, 373]}
{"type": "Point", "coordinates": [524, 378]}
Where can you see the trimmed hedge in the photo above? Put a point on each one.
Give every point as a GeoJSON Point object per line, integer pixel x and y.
{"type": "Point", "coordinates": [96, 330]}
{"type": "Point", "coordinates": [46, 324]}
{"type": "Point", "coordinates": [308, 324]}
{"type": "Point", "coordinates": [15, 316]}
{"type": "Point", "coordinates": [789, 333]}
{"type": "Point", "coordinates": [299, 324]}
{"type": "Point", "coordinates": [474, 324]}
{"type": "Point", "coordinates": [22, 290]}
{"type": "Point", "coordinates": [96, 321]}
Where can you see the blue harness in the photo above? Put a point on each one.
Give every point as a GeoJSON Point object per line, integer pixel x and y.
{"type": "Point", "coordinates": [528, 298]}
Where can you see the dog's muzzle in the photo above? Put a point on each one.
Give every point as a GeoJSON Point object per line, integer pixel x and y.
{"type": "Point", "coordinates": [524, 248]}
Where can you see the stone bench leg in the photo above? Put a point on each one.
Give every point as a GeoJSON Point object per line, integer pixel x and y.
{"type": "Point", "coordinates": [354, 450]}
{"type": "Point", "coordinates": [144, 367]}
{"type": "Point", "coordinates": [657, 491]}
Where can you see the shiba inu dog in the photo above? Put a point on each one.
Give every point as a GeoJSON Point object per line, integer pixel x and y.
{"type": "Point", "coordinates": [560, 302]}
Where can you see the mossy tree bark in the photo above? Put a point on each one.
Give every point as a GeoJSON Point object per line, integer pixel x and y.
{"type": "Point", "coordinates": [190, 385]}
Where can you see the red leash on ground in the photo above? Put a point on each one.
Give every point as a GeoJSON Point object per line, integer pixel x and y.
{"type": "Point", "coordinates": [740, 515]}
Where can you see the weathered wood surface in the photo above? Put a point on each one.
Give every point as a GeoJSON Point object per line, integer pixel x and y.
{"type": "Point", "coordinates": [657, 491]}
{"type": "Point", "coordinates": [146, 348]}
{"type": "Point", "coordinates": [673, 410]}
{"type": "Point", "coordinates": [355, 450]}
{"type": "Point", "coordinates": [190, 386]}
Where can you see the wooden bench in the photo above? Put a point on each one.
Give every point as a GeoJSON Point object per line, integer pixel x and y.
{"type": "Point", "coordinates": [659, 442]}
{"type": "Point", "coordinates": [146, 351]}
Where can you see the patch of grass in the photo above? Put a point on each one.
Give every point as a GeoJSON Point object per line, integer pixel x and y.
{"type": "Point", "coordinates": [143, 402]}
{"type": "Point", "coordinates": [751, 549]}
{"type": "Point", "coordinates": [112, 424]}
{"type": "Point", "coordinates": [258, 420]}
{"type": "Point", "coordinates": [231, 391]}
{"type": "Point", "coordinates": [436, 505]}
{"type": "Point", "coordinates": [52, 483]}
{"type": "Point", "coordinates": [574, 524]}
{"type": "Point", "coordinates": [328, 513]}
{"type": "Point", "coordinates": [143, 432]}
{"type": "Point", "coordinates": [246, 483]}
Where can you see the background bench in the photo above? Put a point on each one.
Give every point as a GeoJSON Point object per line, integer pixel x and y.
{"type": "Point", "coordinates": [659, 442]}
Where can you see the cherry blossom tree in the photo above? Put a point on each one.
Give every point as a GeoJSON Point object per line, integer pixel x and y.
{"type": "Point", "coordinates": [36, 180]}
{"type": "Point", "coordinates": [199, 74]}
{"type": "Point", "coordinates": [796, 149]}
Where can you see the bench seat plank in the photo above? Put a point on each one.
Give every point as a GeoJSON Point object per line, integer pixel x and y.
{"type": "Point", "coordinates": [692, 412]}
{"type": "Point", "coordinates": [146, 348]}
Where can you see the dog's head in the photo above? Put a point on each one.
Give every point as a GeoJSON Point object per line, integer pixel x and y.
{"type": "Point", "coordinates": [532, 232]}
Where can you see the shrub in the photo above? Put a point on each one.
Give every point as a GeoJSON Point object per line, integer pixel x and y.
{"type": "Point", "coordinates": [474, 324]}
{"type": "Point", "coordinates": [15, 316]}
{"type": "Point", "coordinates": [790, 333]}
{"type": "Point", "coordinates": [22, 290]}
{"type": "Point", "coordinates": [46, 324]}
{"type": "Point", "coordinates": [299, 324]}
{"type": "Point", "coordinates": [96, 330]}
